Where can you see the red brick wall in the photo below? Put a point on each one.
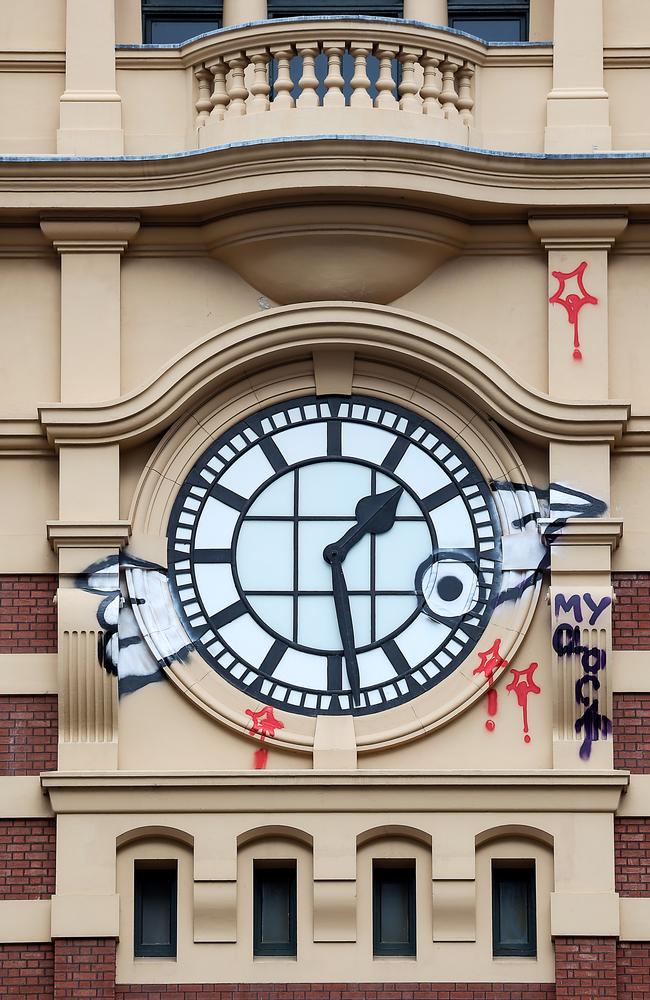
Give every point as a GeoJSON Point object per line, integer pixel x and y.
{"type": "Point", "coordinates": [27, 971]}
{"type": "Point", "coordinates": [632, 856]}
{"type": "Point", "coordinates": [84, 967]}
{"type": "Point", "coordinates": [632, 732]}
{"type": "Point", "coordinates": [343, 991]}
{"type": "Point", "coordinates": [28, 613]}
{"type": "Point", "coordinates": [28, 733]}
{"type": "Point", "coordinates": [585, 968]}
{"type": "Point", "coordinates": [633, 975]}
{"type": "Point", "coordinates": [631, 611]}
{"type": "Point", "coordinates": [27, 858]}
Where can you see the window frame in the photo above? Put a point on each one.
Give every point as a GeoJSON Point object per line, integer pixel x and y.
{"type": "Point", "coordinates": [279, 949]}
{"type": "Point", "coordinates": [492, 10]}
{"type": "Point", "coordinates": [524, 870]}
{"type": "Point", "coordinates": [408, 867]}
{"type": "Point", "coordinates": [178, 10]}
{"type": "Point", "coordinates": [168, 868]}
{"type": "Point", "coordinates": [321, 8]}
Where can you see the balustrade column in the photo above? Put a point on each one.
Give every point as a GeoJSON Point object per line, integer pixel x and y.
{"type": "Point", "coordinates": [204, 104]}
{"type": "Point", "coordinates": [360, 82]}
{"type": "Point", "coordinates": [409, 88]}
{"type": "Point", "coordinates": [386, 84]}
{"type": "Point", "coordinates": [237, 89]}
{"type": "Point", "coordinates": [259, 88]}
{"type": "Point", "coordinates": [449, 96]}
{"type": "Point", "coordinates": [334, 82]}
{"type": "Point", "coordinates": [432, 86]}
{"type": "Point", "coordinates": [465, 99]}
{"type": "Point", "coordinates": [283, 84]}
{"type": "Point", "coordinates": [308, 81]}
{"type": "Point", "coordinates": [220, 99]}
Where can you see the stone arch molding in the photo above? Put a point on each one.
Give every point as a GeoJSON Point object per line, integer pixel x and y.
{"type": "Point", "coordinates": [327, 348]}
{"type": "Point", "coordinates": [311, 330]}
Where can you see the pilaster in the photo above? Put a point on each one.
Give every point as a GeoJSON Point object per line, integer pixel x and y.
{"type": "Point", "coordinates": [581, 593]}
{"type": "Point", "coordinates": [243, 11]}
{"type": "Point", "coordinates": [577, 109]}
{"type": "Point", "coordinates": [88, 528]}
{"type": "Point", "coordinates": [431, 11]}
{"type": "Point", "coordinates": [90, 109]}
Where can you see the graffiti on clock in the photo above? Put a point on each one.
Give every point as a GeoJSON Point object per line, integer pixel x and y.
{"type": "Point", "coordinates": [573, 301]}
{"type": "Point", "coordinates": [264, 725]}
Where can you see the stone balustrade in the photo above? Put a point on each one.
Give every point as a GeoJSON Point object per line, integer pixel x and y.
{"type": "Point", "coordinates": [317, 76]}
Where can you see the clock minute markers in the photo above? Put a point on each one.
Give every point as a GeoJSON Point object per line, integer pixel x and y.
{"type": "Point", "coordinates": [375, 514]}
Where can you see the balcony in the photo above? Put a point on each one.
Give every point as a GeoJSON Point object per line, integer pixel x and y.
{"type": "Point", "coordinates": [334, 76]}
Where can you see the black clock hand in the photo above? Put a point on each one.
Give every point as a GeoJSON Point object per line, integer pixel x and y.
{"type": "Point", "coordinates": [374, 514]}
{"type": "Point", "coordinates": [344, 618]}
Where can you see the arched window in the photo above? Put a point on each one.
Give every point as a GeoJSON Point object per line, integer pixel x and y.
{"type": "Point", "coordinates": [168, 21]}
{"type": "Point", "coordinates": [493, 20]}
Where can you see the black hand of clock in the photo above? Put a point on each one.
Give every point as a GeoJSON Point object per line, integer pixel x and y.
{"type": "Point", "coordinates": [344, 618]}
{"type": "Point", "coordinates": [374, 515]}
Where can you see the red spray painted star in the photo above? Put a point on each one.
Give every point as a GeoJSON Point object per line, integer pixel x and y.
{"type": "Point", "coordinates": [264, 724]}
{"type": "Point", "coordinates": [522, 684]}
{"type": "Point", "coordinates": [491, 660]}
{"type": "Point", "coordinates": [573, 303]}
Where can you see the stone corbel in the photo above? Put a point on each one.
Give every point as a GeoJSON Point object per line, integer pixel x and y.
{"type": "Point", "coordinates": [215, 887]}
{"type": "Point", "coordinates": [335, 887]}
{"type": "Point", "coordinates": [454, 888]}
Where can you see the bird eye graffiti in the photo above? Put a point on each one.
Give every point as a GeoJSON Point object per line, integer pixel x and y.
{"type": "Point", "coordinates": [133, 626]}
{"type": "Point", "coordinates": [448, 584]}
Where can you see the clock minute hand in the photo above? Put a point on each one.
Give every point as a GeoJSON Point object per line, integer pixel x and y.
{"type": "Point", "coordinates": [344, 618]}
{"type": "Point", "coordinates": [375, 514]}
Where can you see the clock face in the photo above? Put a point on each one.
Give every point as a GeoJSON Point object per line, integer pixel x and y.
{"type": "Point", "coordinates": [334, 555]}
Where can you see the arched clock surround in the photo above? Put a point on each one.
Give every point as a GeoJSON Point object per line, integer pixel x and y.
{"type": "Point", "coordinates": [189, 439]}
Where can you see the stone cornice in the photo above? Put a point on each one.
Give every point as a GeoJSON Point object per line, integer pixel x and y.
{"type": "Point", "coordinates": [23, 436]}
{"type": "Point", "coordinates": [384, 333]}
{"type": "Point", "coordinates": [201, 184]}
{"type": "Point", "coordinates": [88, 534]}
{"type": "Point", "coordinates": [335, 791]}
{"type": "Point", "coordinates": [587, 531]}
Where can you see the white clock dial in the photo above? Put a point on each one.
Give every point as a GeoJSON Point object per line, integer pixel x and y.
{"type": "Point", "coordinates": [334, 555]}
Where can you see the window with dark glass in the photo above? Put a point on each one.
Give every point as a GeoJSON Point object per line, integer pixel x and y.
{"type": "Point", "coordinates": [321, 8]}
{"type": "Point", "coordinates": [393, 892]}
{"type": "Point", "coordinates": [274, 909]}
{"type": "Point", "coordinates": [167, 21]}
{"type": "Point", "coordinates": [155, 892]}
{"type": "Point", "coordinates": [514, 921]}
{"type": "Point", "coordinates": [492, 20]}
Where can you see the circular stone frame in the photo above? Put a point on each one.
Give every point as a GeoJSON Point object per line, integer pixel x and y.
{"type": "Point", "coordinates": [183, 445]}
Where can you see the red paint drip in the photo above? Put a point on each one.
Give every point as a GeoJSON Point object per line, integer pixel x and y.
{"type": "Point", "coordinates": [260, 759]}
{"type": "Point", "coordinates": [573, 303]}
{"type": "Point", "coordinates": [491, 660]}
{"type": "Point", "coordinates": [522, 684]}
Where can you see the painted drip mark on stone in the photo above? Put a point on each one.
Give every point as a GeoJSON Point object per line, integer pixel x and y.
{"type": "Point", "coordinates": [491, 660]}
{"type": "Point", "coordinates": [264, 725]}
{"type": "Point", "coordinates": [568, 642]}
{"type": "Point", "coordinates": [523, 685]}
{"type": "Point", "coordinates": [573, 302]}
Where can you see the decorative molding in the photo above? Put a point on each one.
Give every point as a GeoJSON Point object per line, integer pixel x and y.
{"type": "Point", "coordinates": [28, 673]}
{"type": "Point", "coordinates": [89, 236]}
{"type": "Point", "coordinates": [587, 531]}
{"type": "Point", "coordinates": [636, 437]}
{"type": "Point", "coordinates": [21, 797]}
{"type": "Point", "coordinates": [584, 233]}
{"type": "Point", "coordinates": [636, 800]}
{"type": "Point", "coordinates": [27, 61]}
{"type": "Point", "coordinates": [384, 333]}
{"type": "Point", "coordinates": [387, 792]}
{"type": "Point", "coordinates": [23, 436]}
{"type": "Point", "coordinates": [25, 921]}
{"type": "Point", "coordinates": [88, 534]}
{"type": "Point", "coordinates": [630, 670]}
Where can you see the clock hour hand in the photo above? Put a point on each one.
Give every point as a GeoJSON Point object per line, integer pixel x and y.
{"type": "Point", "coordinates": [344, 618]}
{"type": "Point", "coordinates": [375, 514]}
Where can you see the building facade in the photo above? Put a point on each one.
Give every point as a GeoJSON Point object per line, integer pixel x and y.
{"type": "Point", "coordinates": [324, 434]}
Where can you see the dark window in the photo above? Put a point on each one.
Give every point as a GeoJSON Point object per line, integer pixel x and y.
{"type": "Point", "coordinates": [274, 909]}
{"type": "Point", "coordinates": [514, 921]}
{"type": "Point", "coordinates": [492, 20]}
{"type": "Point", "coordinates": [321, 8]}
{"type": "Point", "coordinates": [393, 892]}
{"type": "Point", "coordinates": [155, 910]}
{"type": "Point", "coordinates": [166, 21]}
